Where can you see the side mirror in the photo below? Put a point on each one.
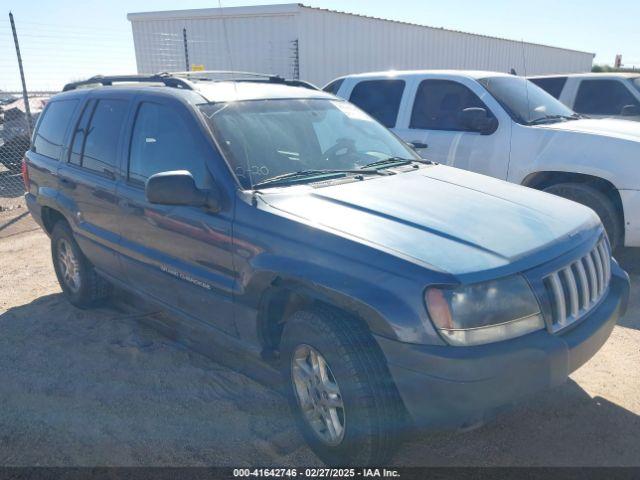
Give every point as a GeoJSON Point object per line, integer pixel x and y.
{"type": "Point", "coordinates": [179, 188]}
{"type": "Point", "coordinates": [630, 110]}
{"type": "Point", "coordinates": [477, 120]}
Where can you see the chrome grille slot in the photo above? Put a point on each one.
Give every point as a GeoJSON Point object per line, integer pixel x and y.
{"type": "Point", "coordinates": [577, 288]}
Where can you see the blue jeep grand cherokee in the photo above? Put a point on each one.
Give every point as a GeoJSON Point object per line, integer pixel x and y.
{"type": "Point", "coordinates": [286, 224]}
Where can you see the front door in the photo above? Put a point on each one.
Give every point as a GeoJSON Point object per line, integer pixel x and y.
{"type": "Point", "coordinates": [434, 120]}
{"type": "Point", "coordinates": [179, 255]}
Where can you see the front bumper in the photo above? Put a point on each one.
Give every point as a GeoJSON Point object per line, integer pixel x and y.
{"type": "Point", "coordinates": [444, 386]}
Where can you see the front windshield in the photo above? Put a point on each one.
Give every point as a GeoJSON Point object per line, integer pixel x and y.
{"type": "Point", "coordinates": [636, 83]}
{"type": "Point", "coordinates": [263, 139]}
{"type": "Point", "coordinates": [525, 102]}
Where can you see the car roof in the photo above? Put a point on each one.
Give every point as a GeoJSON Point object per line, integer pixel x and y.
{"type": "Point", "coordinates": [202, 91]}
{"type": "Point", "coordinates": [592, 75]}
{"type": "Point", "coordinates": [474, 74]}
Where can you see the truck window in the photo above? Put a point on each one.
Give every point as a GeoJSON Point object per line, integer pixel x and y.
{"type": "Point", "coordinates": [102, 134]}
{"type": "Point", "coordinates": [380, 99]}
{"type": "Point", "coordinates": [334, 86]}
{"type": "Point", "coordinates": [49, 137]}
{"type": "Point", "coordinates": [438, 105]}
{"type": "Point", "coordinates": [603, 97]}
{"type": "Point", "coordinates": [552, 86]}
{"type": "Point", "coordinates": [161, 142]}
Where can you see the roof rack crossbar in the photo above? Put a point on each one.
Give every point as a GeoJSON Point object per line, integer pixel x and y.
{"type": "Point", "coordinates": [237, 76]}
{"type": "Point", "coordinates": [168, 80]}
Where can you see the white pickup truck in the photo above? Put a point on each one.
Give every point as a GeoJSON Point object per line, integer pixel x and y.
{"type": "Point", "coordinates": [598, 95]}
{"type": "Point", "coordinates": [507, 127]}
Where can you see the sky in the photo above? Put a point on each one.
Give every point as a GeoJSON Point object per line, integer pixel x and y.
{"type": "Point", "coordinates": [66, 39]}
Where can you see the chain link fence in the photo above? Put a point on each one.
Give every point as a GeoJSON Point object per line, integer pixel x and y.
{"type": "Point", "coordinates": [15, 132]}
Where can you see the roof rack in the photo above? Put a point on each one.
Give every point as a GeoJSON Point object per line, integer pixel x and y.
{"type": "Point", "coordinates": [180, 79]}
{"type": "Point", "coordinates": [240, 76]}
{"type": "Point", "coordinates": [167, 79]}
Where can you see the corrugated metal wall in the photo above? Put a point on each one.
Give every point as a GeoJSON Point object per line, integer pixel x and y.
{"type": "Point", "coordinates": [330, 44]}
{"type": "Point", "coordinates": [333, 44]}
{"type": "Point", "coordinates": [254, 43]}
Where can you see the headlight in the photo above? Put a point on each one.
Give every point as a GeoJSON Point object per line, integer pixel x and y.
{"type": "Point", "coordinates": [484, 312]}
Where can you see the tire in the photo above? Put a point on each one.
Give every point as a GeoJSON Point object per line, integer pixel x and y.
{"type": "Point", "coordinates": [598, 202]}
{"type": "Point", "coordinates": [81, 284]}
{"type": "Point", "coordinates": [372, 412]}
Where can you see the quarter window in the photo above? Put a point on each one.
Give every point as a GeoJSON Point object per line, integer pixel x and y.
{"type": "Point", "coordinates": [49, 137]}
{"type": "Point", "coordinates": [161, 142]}
{"type": "Point", "coordinates": [380, 99]}
{"type": "Point", "coordinates": [439, 103]}
{"type": "Point", "coordinates": [603, 97]}
{"type": "Point", "coordinates": [334, 86]}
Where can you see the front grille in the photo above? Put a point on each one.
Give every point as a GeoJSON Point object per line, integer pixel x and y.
{"type": "Point", "coordinates": [577, 288]}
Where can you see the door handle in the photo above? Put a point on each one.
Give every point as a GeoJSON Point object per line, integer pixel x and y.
{"type": "Point", "coordinates": [417, 145]}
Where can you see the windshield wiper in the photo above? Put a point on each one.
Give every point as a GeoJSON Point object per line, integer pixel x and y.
{"type": "Point", "coordinates": [292, 177]}
{"type": "Point", "coordinates": [546, 118]}
{"type": "Point", "coordinates": [394, 161]}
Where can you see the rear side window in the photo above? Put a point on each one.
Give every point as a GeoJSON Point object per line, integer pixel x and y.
{"type": "Point", "coordinates": [553, 86]}
{"type": "Point", "coordinates": [439, 103]}
{"type": "Point", "coordinates": [603, 97]}
{"type": "Point", "coordinates": [49, 138]}
{"type": "Point", "coordinates": [380, 99]}
{"type": "Point", "coordinates": [95, 140]}
{"type": "Point", "coordinates": [161, 142]}
{"type": "Point", "coordinates": [101, 142]}
{"type": "Point", "coordinates": [334, 86]}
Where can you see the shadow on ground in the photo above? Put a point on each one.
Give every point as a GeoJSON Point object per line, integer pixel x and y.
{"type": "Point", "coordinates": [101, 387]}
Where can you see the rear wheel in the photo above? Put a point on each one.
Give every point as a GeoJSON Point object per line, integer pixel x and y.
{"type": "Point", "coordinates": [345, 403]}
{"type": "Point", "coordinates": [76, 275]}
{"type": "Point", "coordinates": [598, 202]}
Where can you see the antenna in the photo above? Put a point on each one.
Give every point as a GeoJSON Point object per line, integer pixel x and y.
{"type": "Point", "coordinates": [526, 82]}
{"type": "Point", "coordinates": [226, 35]}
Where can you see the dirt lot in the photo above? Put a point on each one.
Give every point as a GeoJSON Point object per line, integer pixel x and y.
{"type": "Point", "coordinates": [100, 387]}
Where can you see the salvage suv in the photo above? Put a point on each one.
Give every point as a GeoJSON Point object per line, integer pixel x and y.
{"type": "Point", "coordinates": [284, 224]}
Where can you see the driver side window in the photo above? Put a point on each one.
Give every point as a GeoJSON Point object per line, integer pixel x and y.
{"type": "Point", "coordinates": [161, 142]}
{"type": "Point", "coordinates": [439, 103]}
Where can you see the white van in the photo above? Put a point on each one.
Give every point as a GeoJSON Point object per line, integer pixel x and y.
{"type": "Point", "coordinates": [507, 127]}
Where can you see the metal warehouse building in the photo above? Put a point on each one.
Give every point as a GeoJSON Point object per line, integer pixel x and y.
{"type": "Point", "coordinates": [317, 45]}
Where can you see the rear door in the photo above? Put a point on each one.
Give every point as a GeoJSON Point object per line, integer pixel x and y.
{"type": "Point", "coordinates": [178, 255]}
{"type": "Point", "coordinates": [87, 176]}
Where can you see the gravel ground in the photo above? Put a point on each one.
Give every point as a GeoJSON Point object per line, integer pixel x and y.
{"type": "Point", "coordinates": [102, 388]}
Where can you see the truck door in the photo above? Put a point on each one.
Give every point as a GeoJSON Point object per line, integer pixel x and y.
{"type": "Point", "coordinates": [434, 119]}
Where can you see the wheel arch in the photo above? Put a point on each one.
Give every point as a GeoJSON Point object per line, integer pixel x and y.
{"type": "Point", "coordinates": [545, 179]}
{"type": "Point", "coordinates": [284, 296]}
{"type": "Point", "coordinates": [51, 216]}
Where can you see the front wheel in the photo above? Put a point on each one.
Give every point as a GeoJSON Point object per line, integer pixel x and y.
{"type": "Point", "coordinates": [343, 398]}
{"type": "Point", "coordinates": [598, 202]}
{"type": "Point", "coordinates": [76, 275]}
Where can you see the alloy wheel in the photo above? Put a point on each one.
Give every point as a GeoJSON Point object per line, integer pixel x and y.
{"type": "Point", "coordinates": [318, 394]}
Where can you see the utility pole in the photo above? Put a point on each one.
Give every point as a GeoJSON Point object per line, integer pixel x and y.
{"type": "Point", "coordinates": [25, 95]}
{"type": "Point", "coordinates": [186, 48]}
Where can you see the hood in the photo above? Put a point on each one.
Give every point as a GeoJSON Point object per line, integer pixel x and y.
{"type": "Point", "coordinates": [609, 127]}
{"type": "Point", "coordinates": [446, 218]}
